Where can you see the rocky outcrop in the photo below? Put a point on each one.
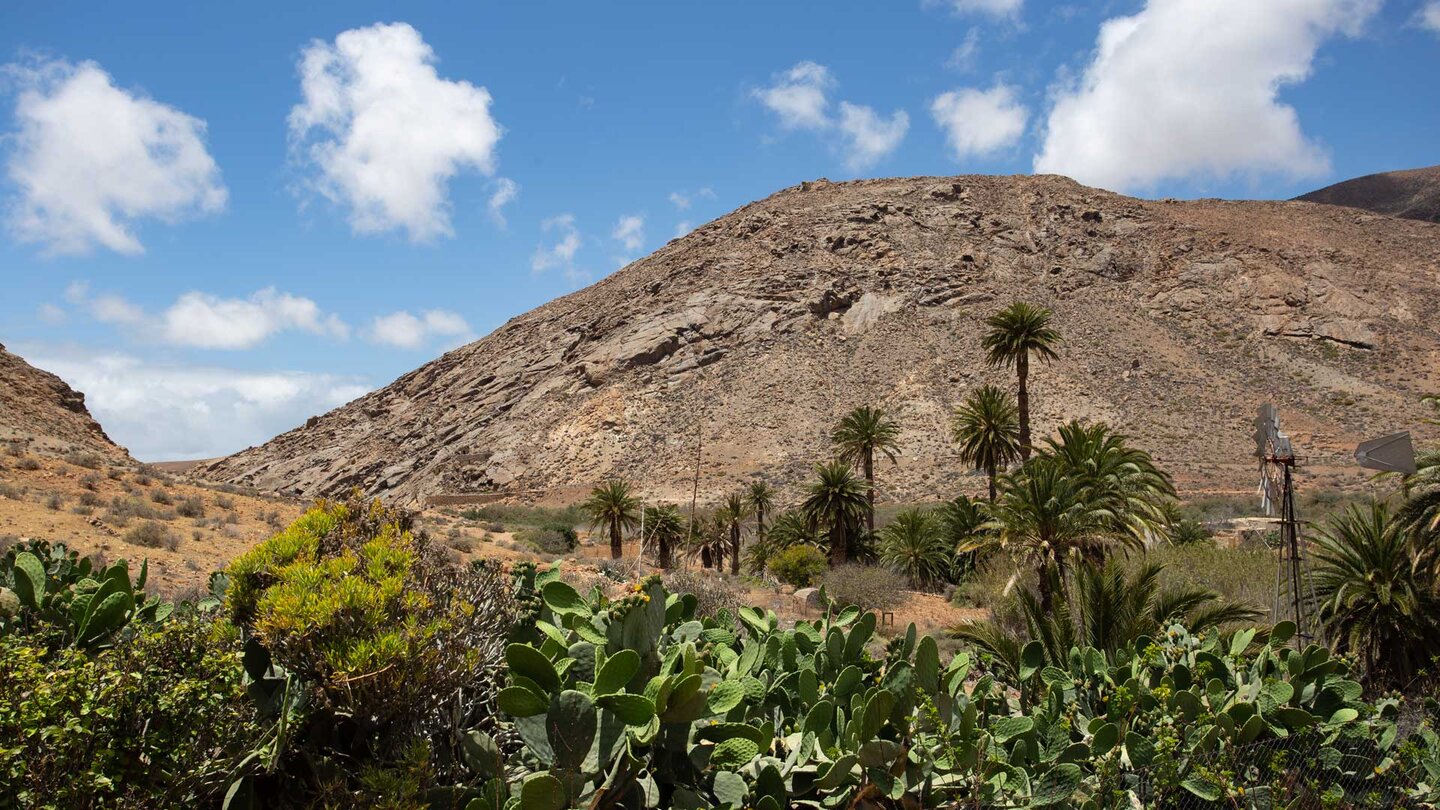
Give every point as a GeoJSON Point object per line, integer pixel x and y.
{"type": "Point", "coordinates": [44, 414]}
{"type": "Point", "coordinates": [756, 331]}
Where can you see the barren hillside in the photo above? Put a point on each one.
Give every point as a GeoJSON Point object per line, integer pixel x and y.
{"type": "Point", "coordinates": [39, 411]}
{"type": "Point", "coordinates": [1412, 194]}
{"type": "Point", "coordinates": [756, 331]}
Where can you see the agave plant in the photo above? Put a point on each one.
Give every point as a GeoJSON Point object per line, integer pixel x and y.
{"type": "Point", "coordinates": [1374, 602]}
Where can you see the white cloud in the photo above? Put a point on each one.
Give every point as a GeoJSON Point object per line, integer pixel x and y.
{"type": "Point", "coordinates": [165, 412]}
{"type": "Point", "coordinates": [51, 314]}
{"type": "Point", "coordinates": [506, 190]}
{"type": "Point", "coordinates": [209, 322]}
{"type": "Point", "coordinates": [1429, 16]}
{"type": "Point", "coordinates": [979, 122]}
{"type": "Point", "coordinates": [682, 200]}
{"type": "Point", "coordinates": [798, 96]}
{"type": "Point", "coordinates": [408, 331]}
{"type": "Point", "coordinates": [683, 227]}
{"type": "Point", "coordinates": [1188, 89]}
{"type": "Point", "coordinates": [870, 136]}
{"type": "Point", "coordinates": [385, 133]}
{"type": "Point", "coordinates": [630, 232]}
{"type": "Point", "coordinates": [799, 99]}
{"type": "Point", "coordinates": [964, 56]}
{"type": "Point", "coordinates": [205, 321]}
{"type": "Point", "coordinates": [993, 8]}
{"type": "Point", "coordinates": [90, 160]}
{"type": "Point", "coordinates": [561, 253]}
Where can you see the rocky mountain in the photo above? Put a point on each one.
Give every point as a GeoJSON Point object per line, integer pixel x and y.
{"type": "Point", "coordinates": [1412, 194]}
{"type": "Point", "coordinates": [741, 344]}
{"type": "Point", "coordinates": [39, 410]}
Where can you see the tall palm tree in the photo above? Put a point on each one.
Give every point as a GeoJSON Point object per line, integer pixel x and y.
{"type": "Point", "coordinates": [762, 500]}
{"type": "Point", "coordinates": [1374, 602]}
{"type": "Point", "coordinates": [713, 537]}
{"type": "Point", "coordinates": [733, 513]}
{"type": "Point", "coordinates": [914, 546]}
{"type": "Point", "coordinates": [664, 531]}
{"type": "Point", "coordinates": [1123, 480]}
{"type": "Point", "coordinates": [986, 426]}
{"type": "Point", "coordinates": [1106, 609]}
{"type": "Point", "coordinates": [861, 434]}
{"type": "Point", "coordinates": [1044, 518]}
{"type": "Point", "coordinates": [837, 501]}
{"type": "Point", "coordinates": [613, 509]}
{"type": "Point", "coordinates": [1016, 333]}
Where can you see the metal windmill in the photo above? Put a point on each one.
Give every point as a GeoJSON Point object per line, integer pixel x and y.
{"type": "Point", "coordinates": [1294, 592]}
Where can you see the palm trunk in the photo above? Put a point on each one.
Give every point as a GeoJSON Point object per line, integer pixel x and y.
{"type": "Point", "coordinates": [1022, 399]}
{"type": "Point", "coordinates": [705, 556]}
{"type": "Point", "coordinates": [839, 545]}
{"type": "Point", "coordinates": [664, 551]}
{"type": "Point", "coordinates": [760, 522]}
{"type": "Point", "coordinates": [735, 548]}
{"type": "Point", "coordinates": [992, 472]}
{"type": "Point", "coordinates": [1047, 594]}
{"type": "Point", "coordinates": [617, 549]}
{"type": "Point", "coordinates": [869, 463]}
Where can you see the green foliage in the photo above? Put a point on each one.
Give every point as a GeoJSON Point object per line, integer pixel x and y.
{"type": "Point", "coordinates": [612, 508]}
{"type": "Point", "coordinates": [548, 539]}
{"type": "Point", "coordinates": [798, 565]}
{"type": "Point", "coordinates": [837, 501]}
{"type": "Point", "coordinates": [154, 722]}
{"type": "Point", "coordinates": [60, 598]}
{"type": "Point", "coordinates": [986, 429]}
{"type": "Point", "coordinates": [915, 546]}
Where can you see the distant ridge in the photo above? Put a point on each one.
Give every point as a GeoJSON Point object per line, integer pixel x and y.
{"type": "Point", "coordinates": [758, 330]}
{"type": "Point", "coordinates": [1410, 194]}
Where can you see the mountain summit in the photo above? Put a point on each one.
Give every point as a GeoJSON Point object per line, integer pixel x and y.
{"type": "Point", "coordinates": [41, 412]}
{"type": "Point", "coordinates": [752, 335]}
{"type": "Point", "coordinates": [1412, 194]}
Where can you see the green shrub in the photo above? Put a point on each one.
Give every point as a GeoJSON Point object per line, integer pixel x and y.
{"type": "Point", "coordinates": [157, 721]}
{"type": "Point", "coordinates": [553, 539]}
{"type": "Point", "coordinates": [866, 586]}
{"type": "Point", "coordinates": [801, 566]}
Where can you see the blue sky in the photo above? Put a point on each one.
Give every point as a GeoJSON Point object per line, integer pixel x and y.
{"type": "Point", "coordinates": [219, 220]}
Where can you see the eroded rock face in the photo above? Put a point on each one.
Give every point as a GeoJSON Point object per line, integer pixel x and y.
{"type": "Point", "coordinates": [42, 412]}
{"type": "Point", "coordinates": [758, 330]}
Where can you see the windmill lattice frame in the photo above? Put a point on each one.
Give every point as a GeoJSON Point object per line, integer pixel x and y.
{"type": "Point", "coordinates": [1294, 590]}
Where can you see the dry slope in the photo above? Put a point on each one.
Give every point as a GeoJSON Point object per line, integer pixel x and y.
{"type": "Point", "coordinates": [758, 329]}
{"type": "Point", "coordinates": [1413, 194]}
{"type": "Point", "coordinates": [38, 410]}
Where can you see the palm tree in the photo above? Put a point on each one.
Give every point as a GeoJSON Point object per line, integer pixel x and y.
{"type": "Point", "coordinates": [1374, 602]}
{"type": "Point", "coordinates": [987, 428]}
{"type": "Point", "coordinates": [914, 546]}
{"type": "Point", "coordinates": [1044, 518]}
{"type": "Point", "coordinates": [1122, 480]}
{"type": "Point", "coordinates": [1108, 609]}
{"type": "Point", "coordinates": [612, 508]}
{"type": "Point", "coordinates": [860, 435]}
{"type": "Point", "coordinates": [1419, 515]}
{"type": "Point", "coordinates": [733, 513]}
{"type": "Point", "coordinates": [963, 523]}
{"type": "Point", "coordinates": [713, 532]}
{"type": "Point", "coordinates": [762, 501]}
{"type": "Point", "coordinates": [664, 531]}
{"type": "Point", "coordinates": [837, 501]}
{"type": "Point", "coordinates": [1017, 332]}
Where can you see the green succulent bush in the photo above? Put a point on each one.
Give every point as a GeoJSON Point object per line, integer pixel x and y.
{"type": "Point", "coordinates": [800, 565]}
{"type": "Point", "coordinates": [636, 702]}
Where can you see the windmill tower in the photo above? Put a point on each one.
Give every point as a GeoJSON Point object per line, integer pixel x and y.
{"type": "Point", "coordinates": [1294, 592]}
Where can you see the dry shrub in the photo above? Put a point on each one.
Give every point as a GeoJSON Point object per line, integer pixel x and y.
{"type": "Point", "coordinates": [713, 593]}
{"type": "Point", "coordinates": [28, 463]}
{"type": "Point", "coordinates": [89, 461]}
{"type": "Point", "coordinates": [871, 587]}
{"type": "Point", "coordinates": [152, 535]}
{"type": "Point", "coordinates": [191, 507]}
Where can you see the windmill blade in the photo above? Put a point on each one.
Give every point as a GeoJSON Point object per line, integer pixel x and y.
{"type": "Point", "coordinates": [1393, 453]}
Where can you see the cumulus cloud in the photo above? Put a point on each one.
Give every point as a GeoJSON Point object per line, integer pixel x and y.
{"type": "Point", "coordinates": [630, 232]}
{"type": "Point", "coordinates": [979, 122]}
{"type": "Point", "coordinates": [89, 161]}
{"type": "Point", "coordinates": [407, 331]}
{"type": "Point", "coordinates": [559, 253]}
{"type": "Point", "coordinates": [166, 412]}
{"type": "Point", "coordinates": [506, 190]}
{"type": "Point", "coordinates": [204, 321]}
{"type": "Point", "coordinates": [1188, 89]}
{"type": "Point", "coordinates": [1429, 16]}
{"type": "Point", "coordinates": [799, 99]}
{"type": "Point", "coordinates": [385, 134]}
